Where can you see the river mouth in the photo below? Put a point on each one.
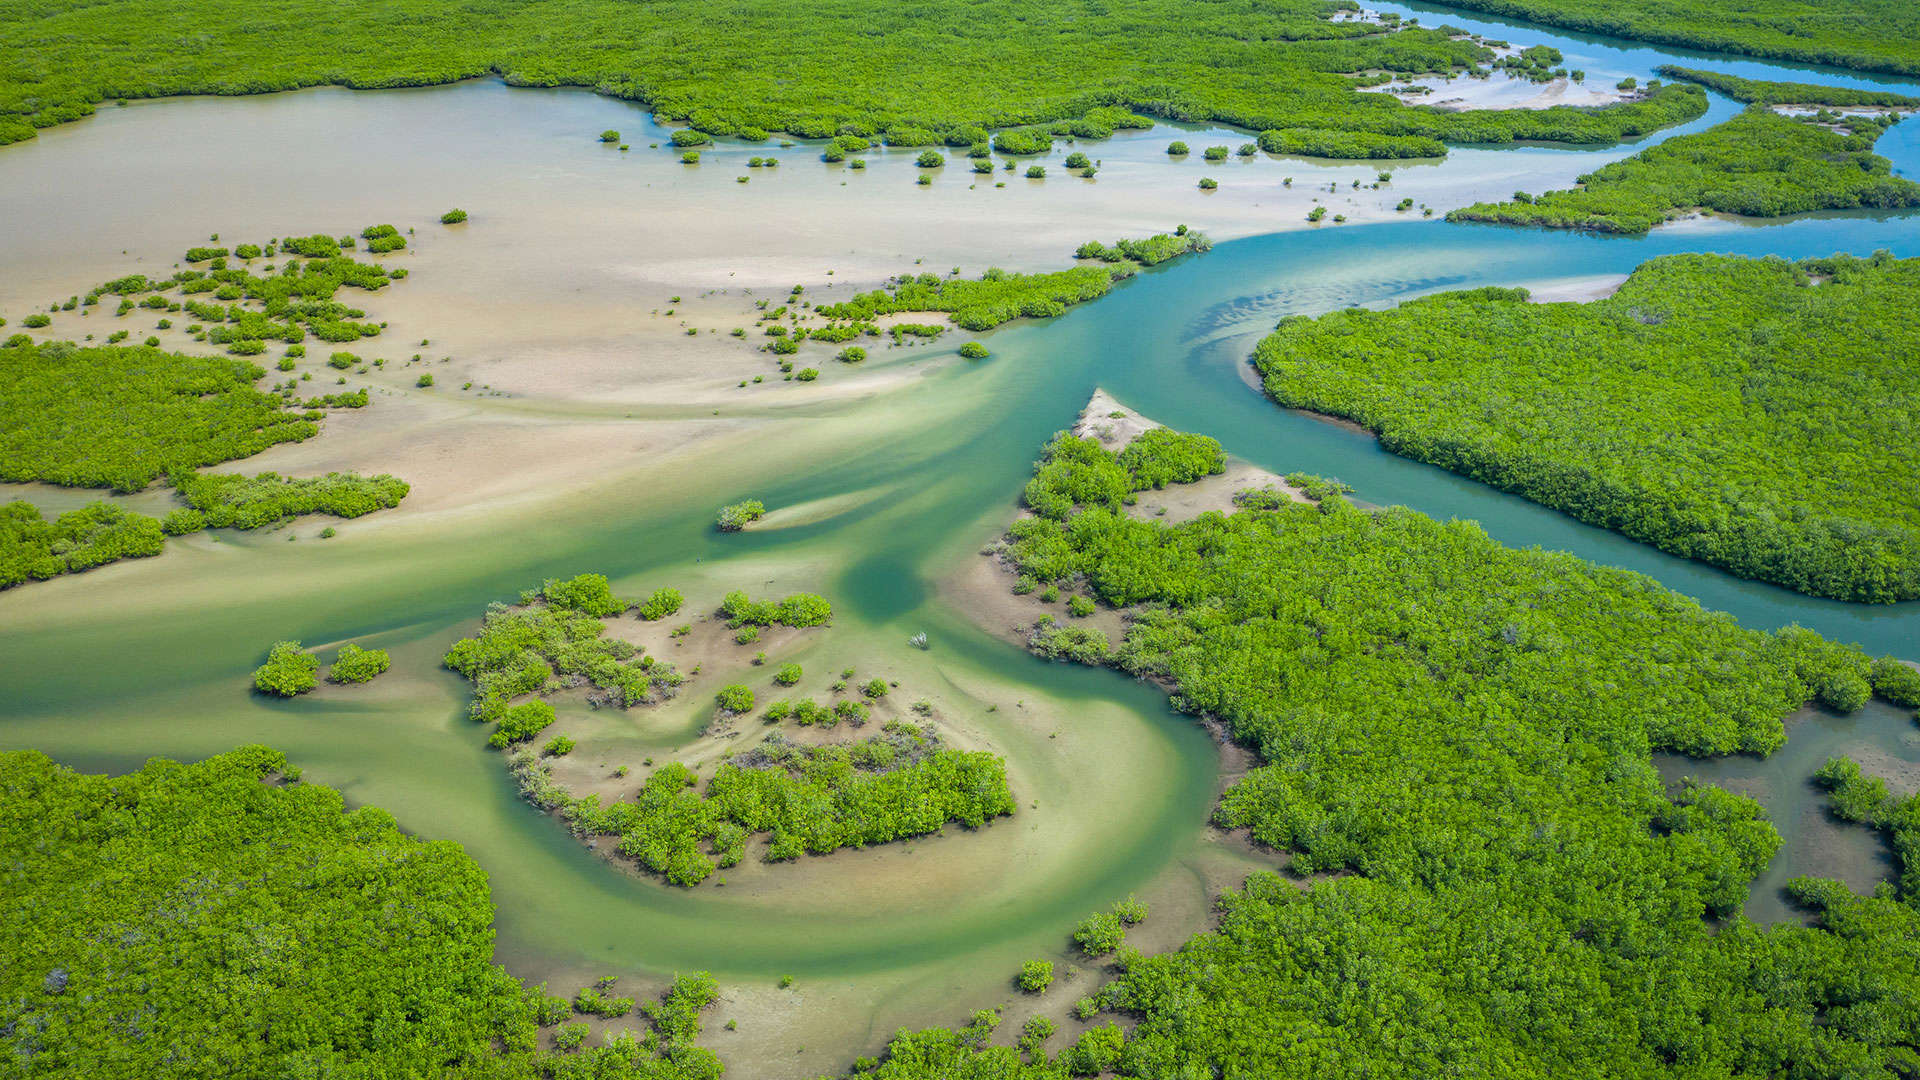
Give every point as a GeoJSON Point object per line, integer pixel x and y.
{"type": "Point", "coordinates": [620, 444]}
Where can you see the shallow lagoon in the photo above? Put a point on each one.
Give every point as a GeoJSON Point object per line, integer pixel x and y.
{"type": "Point", "coordinates": [571, 246]}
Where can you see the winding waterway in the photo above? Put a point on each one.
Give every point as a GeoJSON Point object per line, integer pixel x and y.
{"type": "Point", "coordinates": [105, 669]}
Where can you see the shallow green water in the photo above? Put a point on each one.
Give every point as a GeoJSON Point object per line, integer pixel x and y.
{"type": "Point", "coordinates": [108, 668]}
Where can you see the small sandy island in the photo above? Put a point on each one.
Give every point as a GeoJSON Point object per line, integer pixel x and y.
{"type": "Point", "coordinates": [1115, 426]}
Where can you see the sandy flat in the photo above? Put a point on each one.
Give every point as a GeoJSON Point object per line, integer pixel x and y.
{"type": "Point", "coordinates": [1577, 289]}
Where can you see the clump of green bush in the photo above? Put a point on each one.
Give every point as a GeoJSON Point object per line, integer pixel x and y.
{"type": "Point", "coordinates": [798, 610]}
{"type": "Point", "coordinates": [357, 665]}
{"type": "Point", "coordinates": [521, 722]}
{"type": "Point", "coordinates": [1023, 141]}
{"type": "Point", "coordinates": [663, 602]}
{"type": "Point", "coordinates": [737, 516]}
{"type": "Point", "coordinates": [1036, 976]}
{"type": "Point", "coordinates": [288, 671]}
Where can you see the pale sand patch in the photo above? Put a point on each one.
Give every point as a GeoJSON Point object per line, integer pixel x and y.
{"type": "Point", "coordinates": [1112, 423]}
{"type": "Point", "coordinates": [1575, 289]}
{"type": "Point", "coordinates": [1502, 90]}
{"type": "Point", "coordinates": [1212, 494]}
{"type": "Point", "coordinates": [818, 510]}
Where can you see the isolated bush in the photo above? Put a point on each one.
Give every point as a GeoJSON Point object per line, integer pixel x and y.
{"type": "Point", "coordinates": [1036, 976]}
{"type": "Point", "coordinates": [662, 603]}
{"type": "Point", "coordinates": [288, 671]}
{"type": "Point", "coordinates": [357, 665]}
{"type": "Point", "coordinates": [739, 515]}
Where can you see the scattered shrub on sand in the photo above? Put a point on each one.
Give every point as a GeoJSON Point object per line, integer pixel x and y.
{"type": "Point", "coordinates": [798, 610]}
{"type": "Point", "coordinates": [233, 501]}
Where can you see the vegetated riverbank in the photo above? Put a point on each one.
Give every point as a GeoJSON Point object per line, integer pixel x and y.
{"type": "Point", "coordinates": [1677, 411]}
{"type": "Point", "coordinates": [1867, 35]}
{"type": "Point", "coordinates": [1769, 92]}
{"type": "Point", "coordinates": [1288, 66]}
{"type": "Point", "coordinates": [1759, 164]}
{"type": "Point", "coordinates": [340, 921]}
{"type": "Point", "coordinates": [1250, 615]}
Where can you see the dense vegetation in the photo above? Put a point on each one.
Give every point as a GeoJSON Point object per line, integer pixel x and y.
{"type": "Point", "coordinates": [920, 75]}
{"type": "Point", "coordinates": [1755, 414]}
{"type": "Point", "coordinates": [997, 296]}
{"type": "Point", "coordinates": [1871, 35]}
{"type": "Point", "coordinates": [34, 549]}
{"type": "Point", "coordinates": [815, 800]}
{"type": "Point", "coordinates": [1763, 92]}
{"type": "Point", "coordinates": [1760, 164]}
{"type": "Point", "coordinates": [204, 920]}
{"type": "Point", "coordinates": [810, 800]}
{"type": "Point", "coordinates": [232, 501]}
{"type": "Point", "coordinates": [1465, 731]}
{"type": "Point", "coordinates": [118, 417]}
